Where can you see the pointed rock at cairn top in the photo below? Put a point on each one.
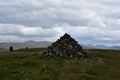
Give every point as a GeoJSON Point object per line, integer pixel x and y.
{"type": "Point", "coordinates": [66, 46]}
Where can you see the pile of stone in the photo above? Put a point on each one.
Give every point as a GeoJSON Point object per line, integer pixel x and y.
{"type": "Point", "coordinates": [66, 46]}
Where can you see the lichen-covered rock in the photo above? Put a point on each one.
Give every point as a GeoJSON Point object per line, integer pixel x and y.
{"type": "Point", "coordinates": [66, 46]}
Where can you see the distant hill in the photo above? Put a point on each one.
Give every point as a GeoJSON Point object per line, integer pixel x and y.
{"type": "Point", "coordinates": [21, 45]}
{"type": "Point", "coordinates": [101, 46]}
{"type": "Point", "coordinates": [115, 47]}
{"type": "Point", "coordinates": [107, 47]}
{"type": "Point", "coordinates": [87, 46]}
{"type": "Point", "coordinates": [31, 44]}
{"type": "Point", "coordinates": [2, 49]}
{"type": "Point", "coordinates": [43, 44]}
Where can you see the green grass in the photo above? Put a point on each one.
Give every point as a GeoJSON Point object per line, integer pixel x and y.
{"type": "Point", "coordinates": [29, 65]}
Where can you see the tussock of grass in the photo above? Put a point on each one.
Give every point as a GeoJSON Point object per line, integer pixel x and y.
{"type": "Point", "coordinates": [29, 65]}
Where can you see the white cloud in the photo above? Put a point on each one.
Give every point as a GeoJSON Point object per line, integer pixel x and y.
{"type": "Point", "coordinates": [20, 31]}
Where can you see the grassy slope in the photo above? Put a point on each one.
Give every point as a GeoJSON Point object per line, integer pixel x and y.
{"type": "Point", "coordinates": [28, 65]}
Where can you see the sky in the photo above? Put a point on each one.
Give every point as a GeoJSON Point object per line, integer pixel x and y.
{"type": "Point", "coordinates": [95, 22]}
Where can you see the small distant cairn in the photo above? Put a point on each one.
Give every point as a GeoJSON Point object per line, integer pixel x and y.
{"type": "Point", "coordinates": [11, 49]}
{"type": "Point", "coordinates": [66, 46]}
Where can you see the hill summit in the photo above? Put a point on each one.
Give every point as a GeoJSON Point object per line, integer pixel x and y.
{"type": "Point", "coordinates": [66, 46]}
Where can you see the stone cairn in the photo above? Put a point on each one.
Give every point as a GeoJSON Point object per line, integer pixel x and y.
{"type": "Point", "coordinates": [66, 46]}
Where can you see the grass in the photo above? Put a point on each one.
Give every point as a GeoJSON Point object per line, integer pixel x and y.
{"type": "Point", "coordinates": [29, 65]}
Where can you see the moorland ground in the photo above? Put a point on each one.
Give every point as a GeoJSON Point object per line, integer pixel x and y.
{"type": "Point", "coordinates": [29, 65]}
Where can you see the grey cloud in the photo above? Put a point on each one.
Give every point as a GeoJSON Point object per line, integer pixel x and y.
{"type": "Point", "coordinates": [95, 35]}
{"type": "Point", "coordinates": [48, 13]}
{"type": "Point", "coordinates": [89, 21]}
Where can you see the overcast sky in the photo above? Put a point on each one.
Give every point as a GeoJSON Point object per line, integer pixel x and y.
{"type": "Point", "coordinates": [88, 21]}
